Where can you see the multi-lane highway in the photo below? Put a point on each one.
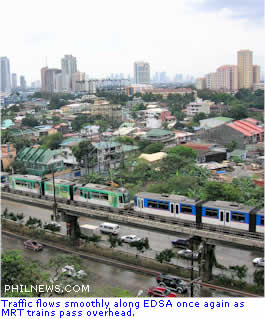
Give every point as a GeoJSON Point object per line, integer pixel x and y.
{"type": "Point", "coordinates": [227, 254]}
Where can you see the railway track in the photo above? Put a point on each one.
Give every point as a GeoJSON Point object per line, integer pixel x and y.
{"type": "Point", "coordinates": [148, 217]}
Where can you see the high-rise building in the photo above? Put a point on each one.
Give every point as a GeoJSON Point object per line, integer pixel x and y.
{"type": "Point", "coordinates": [14, 81]}
{"type": "Point", "coordinates": [5, 80]}
{"type": "Point", "coordinates": [200, 83]}
{"type": "Point", "coordinates": [163, 77]}
{"type": "Point", "coordinates": [69, 66]}
{"type": "Point", "coordinates": [227, 78]}
{"type": "Point", "coordinates": [141, 72]}
{"type": "Point", "coordinates": [23, 84]}
{"type": "Point", "coordinates": [211, 82]}
{"type": "Point", "coordinates": [245, 69]}
{"type": "Point", "coordinates": [256, 74]}
{"type": "Point", "coordinates": [43, 72]}
{"type": "Point", "coordinates": [51, 80]}
{"type": "Point", "coordinates": [76, 77]}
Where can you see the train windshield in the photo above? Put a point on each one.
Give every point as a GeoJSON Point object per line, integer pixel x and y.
{"type": "Point", "coordinates": [126, 197]}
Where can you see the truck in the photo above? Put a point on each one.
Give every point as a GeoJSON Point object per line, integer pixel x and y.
{"type": "Point", "coordinates": [89, 230]}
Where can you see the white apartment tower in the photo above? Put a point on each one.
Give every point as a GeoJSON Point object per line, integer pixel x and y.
{"type": "Point", "coordinates": [5, 80]}
{"type": "Point", "coordinates": [141, 72]}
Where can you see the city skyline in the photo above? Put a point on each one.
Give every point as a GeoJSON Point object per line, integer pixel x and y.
{"type": "Point", "coordinates": [188, 46]}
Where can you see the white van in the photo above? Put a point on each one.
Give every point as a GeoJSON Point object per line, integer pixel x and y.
{"type": "Point", "coordinates": [109, 228]}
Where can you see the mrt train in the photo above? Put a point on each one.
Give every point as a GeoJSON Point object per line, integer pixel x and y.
{"type": "Point", "coordinates": [218, 213]}
{"type": "Point", "coordinates": [90, 194]}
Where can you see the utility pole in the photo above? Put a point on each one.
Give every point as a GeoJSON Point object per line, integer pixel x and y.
{"type": "Point", "coordinates": [54, 197]}
{"type": "Point", "coordinates": [191, 270]}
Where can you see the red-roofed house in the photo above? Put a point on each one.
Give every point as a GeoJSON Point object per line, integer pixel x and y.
{"type": "Point", "coordinates": [243, 132]}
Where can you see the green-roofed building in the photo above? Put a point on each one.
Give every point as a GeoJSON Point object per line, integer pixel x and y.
{"type": "Point", "coordinates": [39, 161]}
{"type": "Point", "coordinates": [157, 135]}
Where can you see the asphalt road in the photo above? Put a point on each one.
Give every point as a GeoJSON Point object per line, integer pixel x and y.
{"type": "Point", "coordinates": [103, 275]}
{"type": "Point", "coordinates": [226, 254]}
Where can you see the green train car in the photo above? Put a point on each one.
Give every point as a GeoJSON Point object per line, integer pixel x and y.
{"type": "Point", "coordinates": [26, 183]}
{"type": "Point", "coordinates": [102, 195]}
{"type": "Point", "coordinates": [63, 188]}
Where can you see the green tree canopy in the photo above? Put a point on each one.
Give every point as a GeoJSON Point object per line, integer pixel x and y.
{"type": "Point", "coordinates": [52, 141]}
{"type": "Point", "coordinates": [153, 148]}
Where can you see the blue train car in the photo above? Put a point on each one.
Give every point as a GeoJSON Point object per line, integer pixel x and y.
{"type": "Point", "coordinates": [227, 214]}
{"type": "Point", "coordinates": [260, 221]}
{"type": "Point", "coordinates": [176, 206]}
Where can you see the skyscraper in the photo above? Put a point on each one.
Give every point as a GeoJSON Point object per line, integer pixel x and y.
{"type": "Point", "coordinates": [43, 82]}
{"type": "Point", "coordinates": [52, 80]}
{"type": "Point", "coordinates": [69, 66]}
{"type": "Point", "coordinates": [23, 84]}
{"type": "Point", "coordinates": [141, 72]}
{"type": "Point", "coordinates": [211, 82]}
{"type": "Point", "coordinates": [227, 78]}
{"type": "Point", "coordinates": [76, 77]}
{"type": "Point", "coordinates": [5, 81]}
{"type": "Point", "coordinates": [14, 81]}
{"type": "Point", "coordinates": [245, 69]}
{"type": "Point", "coordinates": [256, 74]}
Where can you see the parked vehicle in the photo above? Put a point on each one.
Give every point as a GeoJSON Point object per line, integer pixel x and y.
{"type": "Point", "coordinates": [180, 242]}
{"type": "Point", "coordinates": [172, 283]}
{"type": "Point", "coordinates": [130, 238]}
{"type": "Point", "coordinates": [71, 272]}
{"type": "Point", "coordinates": [259, 261]}
{"type": "Point", "coordinates": [89, 230]}
{"type": "Point", "coordinates": [187, 253]}
{"type": "Point", "coordinates": [161, 292]}
{"type": "Point", "coordinates": [34, 245]}
{"type": "Point", "coordinates": [109, 228]}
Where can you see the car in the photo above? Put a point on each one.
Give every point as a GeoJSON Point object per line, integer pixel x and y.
{"type": "Point", "coordinates": [32, 244]}
{"type": "Point", "coordinates": [161, 292]}
{"type": "Point", "coordinates": [172, 282]}
{"type": "Point", "coordinates": [187, 253]}
{"type": "Point", "coordinates": [130, 238]}
{"type": "Point", "coordinates": [71, 272]}
{"type": "Point", "coordinates": [180, 242]}
{"type": "Point", "coordinates": [259, 261]}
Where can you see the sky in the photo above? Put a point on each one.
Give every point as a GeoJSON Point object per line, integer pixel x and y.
{"type": "Point", "coordinates": [184, 36]}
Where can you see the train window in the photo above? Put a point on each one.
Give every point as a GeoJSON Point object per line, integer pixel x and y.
{"type": "Point", "coordinates": [237, 217]}
{"type": "Point", "coordinates": [95, 195]}
{"type": "Point", "coordinates": [162, 205]}
{"type": "Point", "coordinates": [222, 216]}
{"type": "Point", "coordinates": [151, 204]}
{"type": "Point", "coordinates": [262, 220]}
{"type": "Point", "coordinates": [211, 213]}
{"type": "Point", "coordinates": [186, 209]}
{"type": "Point", "coordinates": [120, 199]}
{"type": "Point", "coordinates": [227, 217]}
{"type": "Point", "coordinates": [105, 196]}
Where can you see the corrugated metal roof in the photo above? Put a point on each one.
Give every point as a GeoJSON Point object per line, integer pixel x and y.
{"type": "Point", "coordinates": [239, 129]}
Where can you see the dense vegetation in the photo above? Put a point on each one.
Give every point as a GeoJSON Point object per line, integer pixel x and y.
{"type": "Point", "coordinates": [178, 174]}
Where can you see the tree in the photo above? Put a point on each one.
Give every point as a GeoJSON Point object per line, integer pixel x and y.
{"type": "Point", "coordinates": [165, 256]}
{"type": "Point", "coordinates": [16, 270]}
{"type": "Point", "coordinates": [52, 141]}
{"type": "Point", "coordinates": [239, 271]}
{"type": "Point", "coordinates": [259, 278]}
{"type": "Point", "coordinates": [85, 152]}
{"type": "Point", "coordinates": [30, 121]}
{"type": "Point", "coordinates": [78, 122]}
{"type": "Point", "coordinates": [114, 241]}
{"type": "Point", "coordinates": [198, 117]}
{"type": "Point", "coordinates": [18, 167]}
{"type": "Point", "coordinates": [141, 245]}
{"type": "Point", "coordinates": [182, 151]}
{"type": "Point", "coordinates": [153, 148]}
